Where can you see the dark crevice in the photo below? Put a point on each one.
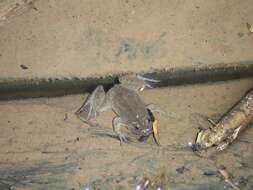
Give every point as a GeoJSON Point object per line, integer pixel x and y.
{"type": "Point", "coordinates": [33, 88]}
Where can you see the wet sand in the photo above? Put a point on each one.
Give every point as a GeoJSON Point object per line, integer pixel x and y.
{"type": "Point", "coordinates": [44, 146]}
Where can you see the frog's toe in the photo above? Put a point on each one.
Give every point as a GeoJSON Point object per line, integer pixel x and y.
{"type": "Point", "coordinates": [122, 139]}
{"type": "Point", "coordinates": [119, 127]}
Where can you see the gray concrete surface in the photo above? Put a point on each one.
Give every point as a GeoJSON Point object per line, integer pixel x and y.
{"type": "Point", "coordinates": [62, 38]}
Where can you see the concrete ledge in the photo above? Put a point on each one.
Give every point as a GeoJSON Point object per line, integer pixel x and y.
{"type": "Point", "coordinates": [17, 88]}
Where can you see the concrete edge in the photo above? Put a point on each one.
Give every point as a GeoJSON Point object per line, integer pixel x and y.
{"type": "Point", "coordinates": [18, 88]}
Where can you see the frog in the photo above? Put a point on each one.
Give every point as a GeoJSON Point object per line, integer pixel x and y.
{"type": "Point", "coordinates": [132, 114]}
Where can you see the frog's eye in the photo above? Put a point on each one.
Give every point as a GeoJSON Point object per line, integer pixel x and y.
{"type": "Point", "coordinates": [137, 126]}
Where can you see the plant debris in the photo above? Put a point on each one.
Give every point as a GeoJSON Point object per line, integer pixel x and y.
{"type": "Point", "coordinates": [181, 170]}
{"type": "Point", "coordinates": [250, 28]}
{"type": "Point", "coordinates": [156, 133]}
{"type": "Point", "coordinates": [225, 175]}
{"type": "Point", "coordinates": [23, 67]}
{"type": "Point", "coordinates": [228, 128]}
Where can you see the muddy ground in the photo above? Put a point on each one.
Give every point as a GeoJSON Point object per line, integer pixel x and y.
{"type": "Point", "coordinates": [44, 146]}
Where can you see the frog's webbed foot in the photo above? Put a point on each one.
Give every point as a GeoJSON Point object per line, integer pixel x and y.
{"type": "Point", "coordinates": [118, 127]}
{"type": "Point", "coordinates": [136, 82]}
{"type": "Point", "coordinates": [94, 104]}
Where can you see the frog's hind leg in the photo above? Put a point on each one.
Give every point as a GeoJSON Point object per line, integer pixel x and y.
{"type": "Point", "coordinates": [94, 104]}
{"type": "Point", "coordinates": [118, 127]}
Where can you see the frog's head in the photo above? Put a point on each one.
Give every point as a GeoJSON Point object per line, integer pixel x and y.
{"type": "Point", "coordinates": [143, 126]}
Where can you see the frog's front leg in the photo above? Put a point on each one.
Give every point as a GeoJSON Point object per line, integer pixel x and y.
{"type": "Point", "coordinates": [118, 127]}
{"type": "Point", "coordinates": [94, 104]}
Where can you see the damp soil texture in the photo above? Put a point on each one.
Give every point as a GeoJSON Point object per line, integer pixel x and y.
{"type": "Point", "coordinates": [44, 146]}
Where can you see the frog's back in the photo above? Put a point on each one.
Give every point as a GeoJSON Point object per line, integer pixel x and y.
{"type": "Point", "coordinates": [126, 103]}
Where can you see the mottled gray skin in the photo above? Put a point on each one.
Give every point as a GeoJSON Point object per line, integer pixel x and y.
{"type": "Point", "coordinates": [131, 112]}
